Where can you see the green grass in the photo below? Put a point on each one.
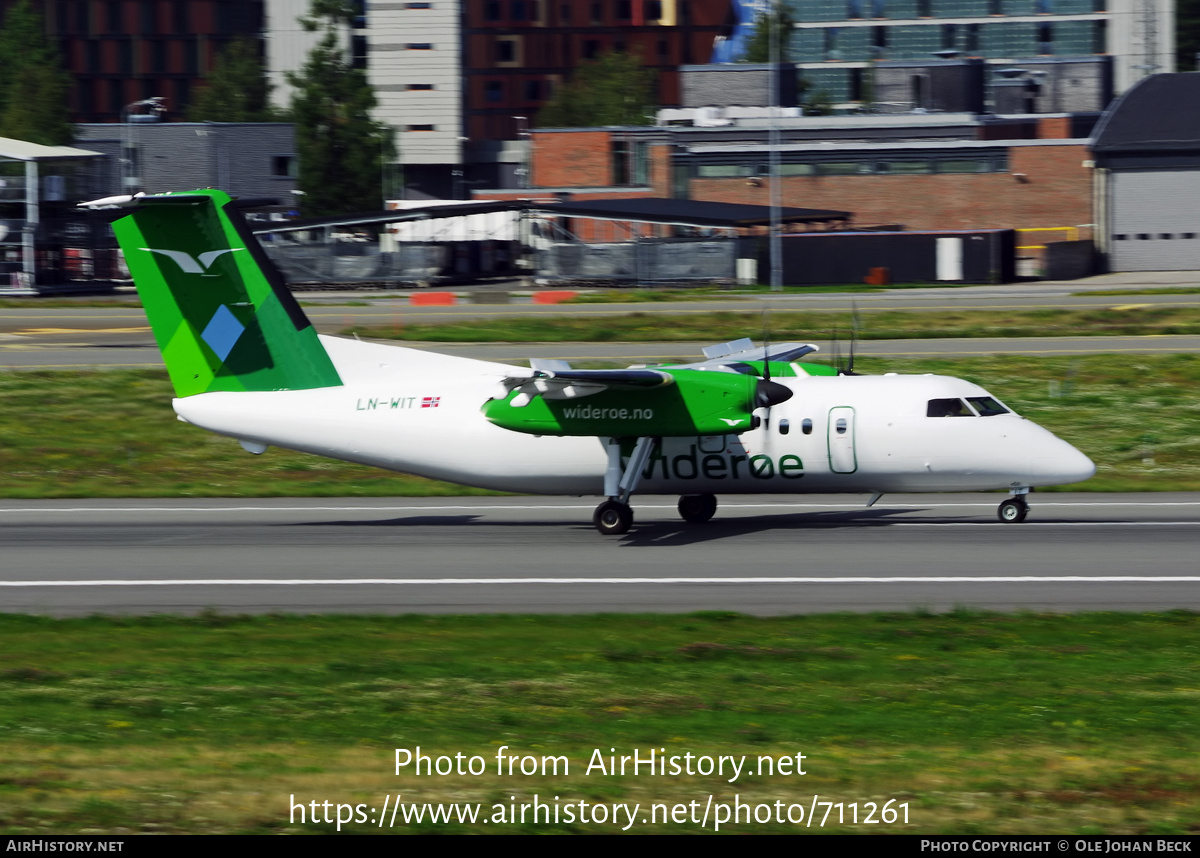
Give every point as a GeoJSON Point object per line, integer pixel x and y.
{"type": "Point", "coordinates": [982, 723]}
{"type": "Point", "coordinates": [1170, 290]}
{"type": "Point", "coordinates": [114, 434]}
{"type": "Point", "coordinates": [708, 326]}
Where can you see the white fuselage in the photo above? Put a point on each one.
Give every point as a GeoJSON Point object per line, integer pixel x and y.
{"type": "Point", "coordinates": [419, 413]}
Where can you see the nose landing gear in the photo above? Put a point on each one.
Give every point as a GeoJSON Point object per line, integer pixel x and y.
{"type": "Point", "coordinates": [1015, 508]}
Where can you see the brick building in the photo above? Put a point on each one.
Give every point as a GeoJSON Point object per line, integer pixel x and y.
{"type": "Point", "coordinates": [953, 172]}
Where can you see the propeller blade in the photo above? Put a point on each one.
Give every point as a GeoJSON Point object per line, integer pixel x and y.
{"type": "Point", "coordinates": [853, 336]}
{"type": "Point", "coordinates": [766, 346]}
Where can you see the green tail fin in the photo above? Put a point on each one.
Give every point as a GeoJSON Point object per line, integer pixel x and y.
{"type": "Point", "coordinates": [221, 314]}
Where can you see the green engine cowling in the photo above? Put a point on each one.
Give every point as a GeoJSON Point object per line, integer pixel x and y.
{"type": "Point", "coordinates": [696, 403]}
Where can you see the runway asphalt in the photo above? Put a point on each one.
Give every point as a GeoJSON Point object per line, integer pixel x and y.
{"type": "Point", "coordinates": [761, 555]}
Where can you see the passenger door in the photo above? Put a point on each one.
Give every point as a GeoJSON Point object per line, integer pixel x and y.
{"type": "Point", "coordinates": [842, 459]}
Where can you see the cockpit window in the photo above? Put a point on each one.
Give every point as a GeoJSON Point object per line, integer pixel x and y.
{"type": "Point", "coordinates": [986, 406]}
{"type": "Point", "coordinates": [948, 408]}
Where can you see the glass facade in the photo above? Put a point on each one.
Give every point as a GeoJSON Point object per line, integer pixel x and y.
{"type": "Point", "coordinates": [862, 31]}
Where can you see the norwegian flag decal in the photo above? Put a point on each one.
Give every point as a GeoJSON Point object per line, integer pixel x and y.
{"type": "Point", "coordinates": [430, 401]}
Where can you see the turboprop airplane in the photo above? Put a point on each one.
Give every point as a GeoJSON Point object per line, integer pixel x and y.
{"type": "Point", "coordinates": [246, 362]}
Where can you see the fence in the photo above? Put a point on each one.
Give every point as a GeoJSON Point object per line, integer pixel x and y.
{"type": "Point", "coordinates": [349, 262]}
{"type": "Point", "coordinates": [647, 261]}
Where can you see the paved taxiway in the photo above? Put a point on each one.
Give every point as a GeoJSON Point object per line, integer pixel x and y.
{"type": "Point", "coordinates": [761, 555]}
{"type": "Point", "coordinates": [119, 337]}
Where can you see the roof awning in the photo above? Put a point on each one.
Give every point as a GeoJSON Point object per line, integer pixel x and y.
{"type": "Point", "coordinates": [23, 150]}
{"type": "Point", "coordinates": [687, 212]}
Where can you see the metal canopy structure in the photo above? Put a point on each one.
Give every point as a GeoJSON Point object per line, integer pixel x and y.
{"type": "Point", "coordinates": [27, 189]}
{"type": "Point", "coordinates": [696, 213]}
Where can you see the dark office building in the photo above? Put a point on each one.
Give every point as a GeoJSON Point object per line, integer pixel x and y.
{"type": "Point", "coordinates": [123, 51]}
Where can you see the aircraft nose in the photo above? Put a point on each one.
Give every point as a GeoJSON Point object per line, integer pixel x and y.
{"type": "Point", "coordinates": [1063, 465]}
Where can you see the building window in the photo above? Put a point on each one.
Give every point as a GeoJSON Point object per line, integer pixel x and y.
{"type": "Point", "coordinates": [115, 24]}
{"type": "Point", "coordinates": [419, 128]}
{"type": "Point", "coordinates": [564, 13]}
{"type": "Point", "coordinates": [92, 50]}
{"type": "Point", "coordinates": [1099, 37]}
{"type": "Point", "coordinates": [505, 51]}
{"type": "Point", "coordinates": [125, 56]}
{"type": "Point", "coordinates": [418, 6]}
{"type": "Point", "coordinates": [494, 91]}
{"type": "Point", "coordinates": [83, 18]}
{"type": "Point", "coordinates": [149, 18]}
{"type": "Point", "coordinates": [1043, 7]}
{"type": "Point", "coordinates": [358, 9]}
{"type": "Point", "coordinates": [116, 96]}
{"type": "Point", "coordinates": [924, 8]}
{"type": "Point", "coordinates": [878, 8]}
{"type": "Point", "coordinates": [421, 87]}
{"type": "Point", "coordinates": [517, 10]}
{"type": "Point", "coordinates": [949, 36]}
{"type": "Point", "coordinates": [620, 162]}
{"type": "Point", "coordinates": [591, 49]}
{"type": "Point", "coordinates": [491, 10]}
{"type": "Point", "coordinates": [191, 56]}
{"type": "Point", "coordinates": [854, 9]}
{"type": "Point", "coordinates": [856, 84]}
{"type": "Point", "coordinates": [597, 14]}
{"type": "Point", "coordinates": [831, 51]}
{"type": "Point", "coordinates": [879, 40]}
{"type": "Point", "coordinates": [359, 51]}
{"type": "Point", "coordinates": [653, 10]}
{"type": "Point", "coordinates": [533, 90]}
{"type": "Point", "coordinates": [179, 15]}
{"type": "Point", "coordinates": [995, 7]}
{"type": "Point", "coordinates": [159, 53]}
{"type": "Point", "coordinates": [419, 46]}
{"type": "Point", "coordinates": [1045, 38]}
{"type": "Point", "coordinates": [283, 166]}
{"type": "Point", "coordinates": [624, 10]}
{"type": "Point", "coordinates": [663, 51]}
{"type": "Point", "coordinates": [972, 41]}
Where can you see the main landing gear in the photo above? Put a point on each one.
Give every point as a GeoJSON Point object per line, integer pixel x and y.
{"type": "Point", "coordinates": [697, 509]}
{"type": "Point", "coordinates": [614, 516]}
{"type": "Point", "coordinates": [1015, 508]}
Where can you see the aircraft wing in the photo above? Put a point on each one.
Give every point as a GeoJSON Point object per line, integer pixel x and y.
{"type": "Point", "coordinates": [741, 351]}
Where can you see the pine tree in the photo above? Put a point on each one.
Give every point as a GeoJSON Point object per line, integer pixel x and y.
{"type": "Point", "coordinates": [238, 89]}
{"type": "Point", "coordinates": [614, 90]}
{"type": "Point", "coordinates": [33, 85]}
{"type": "Point", "coordinates": [777, 22]}
{"type": "Point", "coordinates": [341, 148]}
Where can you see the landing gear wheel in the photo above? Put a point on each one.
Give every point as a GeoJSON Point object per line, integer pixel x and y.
{"type": "Point", "coordinates": [612, 518]}
{"type": "Point", "coordinates": [1013, 510]}
{"type": "Point", "coordinates": [697, 508]}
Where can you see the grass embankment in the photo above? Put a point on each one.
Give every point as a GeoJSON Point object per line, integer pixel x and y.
{"type": "Point", "coordinates": [981, 723]}
{"type": "Point", "coordinates": [708, 326]}
{"type": "Point", "coordinates": [113, 434]}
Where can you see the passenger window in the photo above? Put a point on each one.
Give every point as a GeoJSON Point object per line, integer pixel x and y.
{"type": "Point", "coordinates": [986, 406]}
{"type": "Point", "coordinates": [784, 426]}
{"type": "Point", "coordinates": [841, 425]}
{"type": "Point", "coordinates": [806, 426]}
{"type": "Point", "coordinates": [948, 408]}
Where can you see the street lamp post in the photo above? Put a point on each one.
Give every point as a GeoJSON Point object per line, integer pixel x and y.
{"type": "Point", "coordinates": [154, 108]}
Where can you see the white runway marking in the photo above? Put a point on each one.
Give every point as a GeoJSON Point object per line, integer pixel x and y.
{"type": "Point", "coordinates": [474, 582]}
{"type": "Point", "coordinates": [502, 507]}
